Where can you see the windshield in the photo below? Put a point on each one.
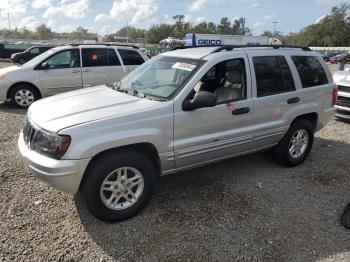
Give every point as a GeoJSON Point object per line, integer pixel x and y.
{"type": "Point", "coordinates": [39, 58]}
{"type": "Point", "coordinates": [159, 78]}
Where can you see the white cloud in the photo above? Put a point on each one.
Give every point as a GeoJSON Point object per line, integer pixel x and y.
{"type": "Point", "coordinates": [29, 22]}
{"type": "Point", "coordinates": [199, 20]}
{"type": "Point", "coordinates": [320, 19]}
{"type": "Point", "coordinates": [255, 5]}
{"type": "Point", "coordinates": [37, 4]}
{"type": "Point", "coordinates": [197, 5]}
{"type": "Point", "coordinates": [74, 10]}
{"type": "Point", "coordinates": [135, 11]}
{"type": "Point", "coordinates": [106, 30]}
{"type": "Point", "coordinates": [270, 16]}
{"type": "Point", "coordinates": [102, 18]}
{"type": "Point", "coordinates": [258, 24]}
{"type": "Point", "coordinates": [15, 8]}
{"type": "Point", "coordinates": [187, 18]}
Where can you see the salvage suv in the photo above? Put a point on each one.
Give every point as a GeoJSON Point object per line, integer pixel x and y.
{"type": "Point", "coordinates": [66, 68]}
{"type": "Point", "coordinates": [182, 109]}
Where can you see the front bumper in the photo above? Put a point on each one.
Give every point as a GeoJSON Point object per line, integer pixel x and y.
{"type": "Point", "coordinates": [343, 105]}
{"type": "Point", "coordinates": [64, 175]}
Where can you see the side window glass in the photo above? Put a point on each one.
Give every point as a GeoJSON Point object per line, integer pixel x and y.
{"type": "Point", "coordinates": [94, 57]}
{"type": "Point", "coordinates": [131, 57]}
{"type": "Point", "coordinates": [113, 59]}
{"type": "Point", "coordinates": [273, 75]}
{"type": "Point", "coordinates": [64, 59]}
{"type": "Point", "coordinates": [310, 70]}
{"type": "Point", "coordinates": [34, 50]}
{"type": "Point", "coordinates": [226, 80]}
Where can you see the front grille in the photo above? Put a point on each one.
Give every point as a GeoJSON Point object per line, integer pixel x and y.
{"type": "Point", "coordinates": [344, 88]}
{"type": "Point", "coordinates": [343, 112]}
{"type": "Point", "coordinates": [29, 131]}
{"type": "Point", "coordinates": [343, 101]}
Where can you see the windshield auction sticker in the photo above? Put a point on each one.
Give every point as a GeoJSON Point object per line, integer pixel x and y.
{"type": "Point", "coordinates": [184, 66]}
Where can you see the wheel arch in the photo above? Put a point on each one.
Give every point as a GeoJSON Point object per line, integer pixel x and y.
{"type": "Point", "coordinates": [148, 149]}
{"type": "Point", "coordinates": [9, 91]}
{"type": "Point", "coordinates": [311, 117]}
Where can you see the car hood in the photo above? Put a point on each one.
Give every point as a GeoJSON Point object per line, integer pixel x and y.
{"type": "Point", "coordinates": [85, 105]}
{"type": "Point", "coordinates": [342, 78]}
{"type": "Point", "coordinates": [9, 69]}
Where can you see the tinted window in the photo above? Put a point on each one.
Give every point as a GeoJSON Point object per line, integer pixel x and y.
{"type": "Point", "coordinates": [64, 59]}
{"type": "Point", "coordinates": [113, 59]}
{"type": "Point", "coordinates": [93, 57]}
{"type": "Point", "coordinates": [131, 57]}
{"type": "Point", "coordinates": [310, 70]}
{"type": "Point", "coordinates": [273, 75]}
{"type": "Point", "coordinates": [34, 50]}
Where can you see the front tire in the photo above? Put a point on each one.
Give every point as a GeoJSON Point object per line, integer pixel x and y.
{"type": "Point", "coordinates": [296, 144]}
{"type": "Point", "coordinates": [118, 185]}
{"type": "Point", "coordinates": [22, 96]}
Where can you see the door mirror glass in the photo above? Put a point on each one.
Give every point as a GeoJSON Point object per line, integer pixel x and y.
{"type": "Point", "coordinates": [200, 100]}
{"type": "Point", "coordinates": [45, 66]}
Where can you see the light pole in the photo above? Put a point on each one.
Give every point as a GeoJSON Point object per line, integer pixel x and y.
{"type": "Point", "coordinates": [8, 18]}
{"type": "Point", "coordinates": [274, 28]}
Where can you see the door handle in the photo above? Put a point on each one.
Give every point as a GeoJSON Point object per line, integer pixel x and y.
{"type": "Point", "coordinates": [241, 111]}
{"type": "Point", "coordinates": [293, 100]}
{"type": "Point", "coordinates": [75, 71]}
{"type": "Point", "coordinates": [86, 70]}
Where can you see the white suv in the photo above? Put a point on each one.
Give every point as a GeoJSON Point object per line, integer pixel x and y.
{"type": "Point", "coordinates": [177, 111]}
{"type": "Point", "coordinates": [67, 68]}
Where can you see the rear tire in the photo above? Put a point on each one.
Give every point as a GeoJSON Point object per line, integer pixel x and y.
{"type": "Point", "coordinates": [118, 185]}
{"type": "Point", "coordinates": [296, 144]}
{"type": "Point", "coordinates": [22, 96]}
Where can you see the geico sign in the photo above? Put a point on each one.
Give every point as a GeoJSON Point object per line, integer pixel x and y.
{"type": "Point", "coordinates": [209, 42]}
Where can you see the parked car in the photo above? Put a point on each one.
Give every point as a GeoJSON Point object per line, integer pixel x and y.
{"type": "Point", "coordinates": [6, 50]}
{"type": "Point", "coordinates": [30, 53]}
{"type": "Point", "coordinates": [179, 110]}
{"type": "Point", "coordinates": [67, 68]}
{"type": "Point", "coordinates": [337, 58]}
{"type": "Point", "coordinates": [327, 57]}
{"type": "Point", "coordinates": [342, 79]}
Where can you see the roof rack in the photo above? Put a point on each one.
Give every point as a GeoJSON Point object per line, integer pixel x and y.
{"type": "Point", "coordinates": [231, 47]}
{"type": "Point", "coordinates": [122, 45]}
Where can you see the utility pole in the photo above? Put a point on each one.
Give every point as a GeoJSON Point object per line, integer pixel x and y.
{"type": "Point", "coordinates": [274, 28]}
{"type": "Point", "coordinates": [8, 18]}
{"type": "Point", "coordinates": [127, 32]}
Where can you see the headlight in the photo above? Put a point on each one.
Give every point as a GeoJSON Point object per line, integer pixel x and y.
{"type": "Point", "coordinates": [50, 144]}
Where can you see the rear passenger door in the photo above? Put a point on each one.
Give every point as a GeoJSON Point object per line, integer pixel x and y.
{"type": "Point", "coordinates": [95, 69]}
{"type": "Point", "coordinates": [274, 95]}
{"type": "Point", "coordinates": [116, 70]}
{"type": "Point", "coordinates": [131, 59]}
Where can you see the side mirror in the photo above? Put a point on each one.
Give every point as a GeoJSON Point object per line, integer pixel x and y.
{"type": "Point", "coordinates": [45, 66]}
{"type": "Point", "coordinates": [200, 100]}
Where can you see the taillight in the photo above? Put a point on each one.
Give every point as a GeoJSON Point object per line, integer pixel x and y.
{"type": "Point", "coordinates": [334, 95]}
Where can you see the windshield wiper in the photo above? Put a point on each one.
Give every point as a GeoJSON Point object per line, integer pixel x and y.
{"type": "Point", "coordinates": [117, 87]}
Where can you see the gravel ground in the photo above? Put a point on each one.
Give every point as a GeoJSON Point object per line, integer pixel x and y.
{"type": "Point", "coordinates": [244, 209]}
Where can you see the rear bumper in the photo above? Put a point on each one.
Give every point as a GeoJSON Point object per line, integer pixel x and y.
{"type": "Point", "coordinates": [64, 175]}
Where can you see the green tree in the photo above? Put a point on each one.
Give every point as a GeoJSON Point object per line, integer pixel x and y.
{"type": "Point", "coordinates": [80, 34]}
{"type": "Point", "coordinates": [225, 26]}
{"type": "Point", "coordinates": [159, 32]}
{"type": "Point", "coordinates": [43, 32]}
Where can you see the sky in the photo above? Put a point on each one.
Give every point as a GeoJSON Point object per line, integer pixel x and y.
{"type": "Point", "coordinates": [107, 16]}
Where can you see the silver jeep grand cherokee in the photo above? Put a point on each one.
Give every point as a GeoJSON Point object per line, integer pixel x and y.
{"type": "Point", "coordinates": [182, 109]}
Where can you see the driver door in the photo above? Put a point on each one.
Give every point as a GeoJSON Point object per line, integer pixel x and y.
{"type": "Point", "coordinates": [62, 74]}
{"type": "Point", "coordinates": [207, 134]}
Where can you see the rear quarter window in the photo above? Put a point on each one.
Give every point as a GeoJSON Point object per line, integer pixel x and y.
{"type": "Point", "coordinates": [310, 70]}
{"type": "Point", "coordinates": [131, 57]}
